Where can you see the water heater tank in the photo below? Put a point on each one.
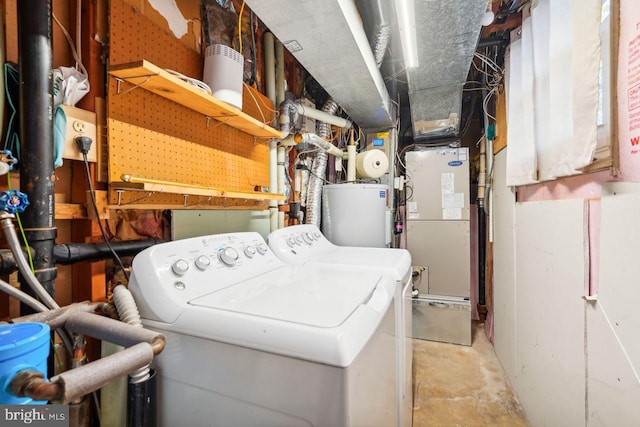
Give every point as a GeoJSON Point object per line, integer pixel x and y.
{"type": "Point", "coordinates": [223, 68]}
{"type": "Point", "coordinates": [355, 214]}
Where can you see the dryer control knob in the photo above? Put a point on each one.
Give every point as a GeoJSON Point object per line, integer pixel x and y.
{"type": "Point", "coordinates": [317, 235]}
{"type": "Point", "coordinates": [249, 251]}
{"type": "Point", "coordinates": [308, 238]}
{"type": "Point", "coordinates": [202, 262]}
{"type": "Point", "coordinates": [291, 242]}
{"type": "Point", "coordinates": [262, 248]}
{"type": "Point", "coordinates": [228, 256]}
{"type": "Point", "coordinates": [180, 267]}
{"type": "Point", "coordinates": [299, 240]}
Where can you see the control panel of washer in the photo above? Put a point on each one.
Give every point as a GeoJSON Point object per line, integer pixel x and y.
{"type": "Point", "coordinates": [168, 275]}
{"type": "Point", "coordinates": [299, 243]}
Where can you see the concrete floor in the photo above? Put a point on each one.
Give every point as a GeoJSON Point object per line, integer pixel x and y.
{"type": "Point", "coordinates": [462, 386]}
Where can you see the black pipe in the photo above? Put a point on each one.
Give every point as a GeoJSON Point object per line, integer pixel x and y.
{"type": "Point", "coordinates": [70, 253]}
{"type": "Point", "coordinates": [142, 403]}
{"type": "Point", "coordinates": [482, 255]}
{"type": "Point", "coordinates": [36, 135]}
{"type": "Point", "coordinates": [490, 42]}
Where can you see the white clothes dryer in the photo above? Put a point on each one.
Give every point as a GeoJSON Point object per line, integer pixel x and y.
{"type": "Point", "coordinates": [252, 341]}
{"type": "Point", "coordinates": [305, 245]}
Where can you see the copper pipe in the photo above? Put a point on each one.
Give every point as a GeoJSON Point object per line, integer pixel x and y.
{"type": "Point", "coordinates": [142, 345]}
{"type": "Point", "coordinates": [33, 384]}
{"type": "Point", "coordinates": [75, 383]}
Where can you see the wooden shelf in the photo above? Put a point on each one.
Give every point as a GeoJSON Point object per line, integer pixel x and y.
{"type": "Point", "coordinates": [70, 211]}
{"type": "Point", "coordinates": [152, 186]}
{"type": "Point", "coordinates": [156, 80]}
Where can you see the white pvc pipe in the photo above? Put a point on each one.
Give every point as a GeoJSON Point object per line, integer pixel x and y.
{"type": "Point", "coordinates": [280, 219]}
{"type": "Point", "coordinates": [279, 73]}
{"type": "Point", "coordinates": [323, 117]}
{"type": "Point", "coordinates": [314, 139]}
{"type": "Point", "coordinates": [351, 163]}
{"type": "Point", "coordinates": [270, 67]}
{"type": "Point", "coordinates": [489, 203]}
{"type": "Point", "coordinates": [279, 50]}
{"type": "Point", "coordinates": [281, 172]}
{"type": "Point", "coordinates": [270, 84]}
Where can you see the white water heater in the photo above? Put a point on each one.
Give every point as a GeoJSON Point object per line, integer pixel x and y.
{"type": "Point", "coordinates": [223, 69]}
{"type": "Point", "coordinates": [356, 214]}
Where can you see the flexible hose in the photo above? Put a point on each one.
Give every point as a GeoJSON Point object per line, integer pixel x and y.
{"type": "Point", "coordinates": [32, 280]}
{"type": "Point", "coordinates": [22, 297]}
{"type": "Point", "coordinates": [128, 312]}
{"type": "Point", "coordinates": [316, 180]}
{"type": "Point", "coordinates": [23, 264]}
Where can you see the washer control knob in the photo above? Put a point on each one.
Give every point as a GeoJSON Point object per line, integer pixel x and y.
{"type": "Point", "coordinates": [291, 242]}
{"type": "Point", "coordinates": [249, 251]}
{"type": "Point", "coordinates": [316, 235]}
{"type": "Point", "coordinates": [308, 238]}
{"type": "Point", "coordinates": [298, 240]}
{"type": "Point", "coordinates": [228, 256]}
{"type": "Point", "coordinates": [180, 267]}
{"type": "Point", "coordinates": [262, 248]}
{"type": "Point", "coordinates": [202, 262]}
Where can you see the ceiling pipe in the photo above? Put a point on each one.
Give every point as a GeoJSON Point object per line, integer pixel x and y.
{"type": "Point", "coordinates": [323, 116]}
{"type": "Point", "coordinates": [36, 135]}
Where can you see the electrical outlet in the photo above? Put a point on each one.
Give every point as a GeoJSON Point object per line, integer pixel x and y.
{"type": "Point", "coordinates": [79, 123]}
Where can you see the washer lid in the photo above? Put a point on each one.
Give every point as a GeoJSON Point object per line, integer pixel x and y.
{"type": "Point", "coordinates": [312, 295]}
{"type": "Point", "coordinates": [398, 261]}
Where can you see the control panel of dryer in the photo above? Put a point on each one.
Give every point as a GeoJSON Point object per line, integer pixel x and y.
{"type": "Point", "coordinates": [299, 243]}
{"type": "Point", "coordinates": [167, 276]}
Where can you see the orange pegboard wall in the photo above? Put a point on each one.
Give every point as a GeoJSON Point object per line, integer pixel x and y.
{"type": "Point", "coordinates": [152, 137]}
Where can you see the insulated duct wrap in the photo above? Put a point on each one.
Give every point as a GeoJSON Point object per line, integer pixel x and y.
{"type": "Point", "coordinates": [314, 196]}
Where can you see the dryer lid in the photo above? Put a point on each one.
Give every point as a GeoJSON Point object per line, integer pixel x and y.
{"type": "Point", "coordinates": [309, 295]}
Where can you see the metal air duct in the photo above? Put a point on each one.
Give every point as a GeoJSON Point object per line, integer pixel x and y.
{"type": "Point", "coordinates": [328, 39]}
{"type": "Point", "coordinates": [447, 34]}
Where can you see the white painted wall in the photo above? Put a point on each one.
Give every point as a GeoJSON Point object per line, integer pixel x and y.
{"type": "Point", "coordinates": [550, 265]}
{"type": "Point", "coordinates": [572, 362]}
{"type": "Point", "coordinates": [613, 320]}
{"type": "Point", "coordinates": [504, 248]}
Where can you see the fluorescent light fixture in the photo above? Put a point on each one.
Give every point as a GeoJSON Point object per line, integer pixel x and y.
{"type": "Point", "coordinates": [407, 27]}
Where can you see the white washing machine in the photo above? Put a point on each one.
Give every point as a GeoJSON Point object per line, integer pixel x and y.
{"type": "Point", "coordinates": [252, 341]}
{"type": "Point", "coordinates": [305, 245]}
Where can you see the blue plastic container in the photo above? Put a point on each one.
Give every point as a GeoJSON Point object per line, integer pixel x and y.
{"type": "Point", "coordinates": [22, 346]}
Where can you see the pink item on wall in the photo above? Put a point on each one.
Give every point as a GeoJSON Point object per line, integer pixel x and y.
{"type": "Point", "coordinates": [629, 90]}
